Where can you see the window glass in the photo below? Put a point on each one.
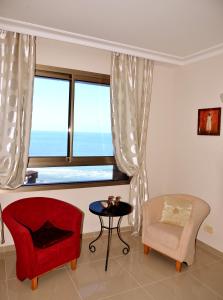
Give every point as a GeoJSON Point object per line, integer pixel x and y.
{"type": "Point", "coordinates": [50, 117]}
{"type": "Point", "coordinates": [92, 120]}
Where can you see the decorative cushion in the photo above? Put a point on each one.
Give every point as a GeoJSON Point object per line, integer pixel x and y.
{"type": "Point", "coordinates": [176, 211]}
{"type": "Point", "coordinates": [47, 235]}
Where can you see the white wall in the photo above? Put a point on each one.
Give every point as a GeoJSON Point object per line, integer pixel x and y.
{"type": "Point", "coordinates": [161, 133]}
{"type": "Point", "coordinates": [72, 56]}
{"type": "Point", "coordinates": [198, 160]}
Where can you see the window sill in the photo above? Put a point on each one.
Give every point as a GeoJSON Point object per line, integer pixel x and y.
{"type": "Point", "coordinates": [63, 186]}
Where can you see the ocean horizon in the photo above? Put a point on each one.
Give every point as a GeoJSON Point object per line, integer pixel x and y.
{"type": "Point", "coordinates": [54, 143]}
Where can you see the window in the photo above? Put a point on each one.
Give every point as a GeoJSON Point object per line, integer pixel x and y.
{"type": "Point", "coordinates": [92, 120]}
{"type": "Point", "coordinates": [71, 139]}
{"type": "Point", "coordinates": [50, 117]}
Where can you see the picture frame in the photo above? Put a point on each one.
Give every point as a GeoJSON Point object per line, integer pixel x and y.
{"type": "Point", "coordinates": [209, 121]}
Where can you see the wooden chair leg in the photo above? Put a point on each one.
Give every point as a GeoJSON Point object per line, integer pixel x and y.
{"type": "Point", "coordinates": [146, 249]}
{"type": "Point", "coordinates": [73, 264]}
{"type": "Point", "coordinates": [178, 266]}
{"type": "Point", "coordinates": [34, 283]}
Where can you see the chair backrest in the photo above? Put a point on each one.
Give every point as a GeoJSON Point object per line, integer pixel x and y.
{"type": "Point", "coordinates": [34, 211]}
{"type": "Point", "coordinates": [199, 206]}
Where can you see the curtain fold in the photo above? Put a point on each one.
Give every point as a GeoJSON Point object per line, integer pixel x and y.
{"type": "Point", "coordinates": [17, 66]}
{"type": "Point", "coordinates": [1, 227]}
{"type": "Point", "coordinates": [131, 86]}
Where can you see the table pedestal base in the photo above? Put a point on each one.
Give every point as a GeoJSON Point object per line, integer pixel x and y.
{"type": "Point", "coordinates": [110, 227]}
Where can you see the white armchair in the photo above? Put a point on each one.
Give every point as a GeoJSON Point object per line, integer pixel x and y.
{"type": "Point", "coordinates": [177, 242]}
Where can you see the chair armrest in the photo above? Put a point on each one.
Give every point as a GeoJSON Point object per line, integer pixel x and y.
{"type": "Point", "coordinates": [76, 223]}
{"type": "Point", "coordinates": [151, 212]}
{"type": "Point", "coordinates": [25, 252]}
{"type": "Point", "coordinates": [191, 228]}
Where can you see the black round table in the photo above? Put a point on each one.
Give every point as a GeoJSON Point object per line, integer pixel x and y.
{"type": "Point", "coordinates": [101, 209]}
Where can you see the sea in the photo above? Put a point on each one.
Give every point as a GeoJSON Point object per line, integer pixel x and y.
{"type": "Point", "coordinates": [54, 143]}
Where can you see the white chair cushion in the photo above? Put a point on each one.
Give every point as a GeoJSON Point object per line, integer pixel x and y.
{"type": "Point", "coordinates": [167, 235]}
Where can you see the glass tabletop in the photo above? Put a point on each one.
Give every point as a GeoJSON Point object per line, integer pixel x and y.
{"type": "Point", "coordinates": [101, 208]}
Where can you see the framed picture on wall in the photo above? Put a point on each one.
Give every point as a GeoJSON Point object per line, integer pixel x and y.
{"type": "Point", "coordinates": [209, 121]}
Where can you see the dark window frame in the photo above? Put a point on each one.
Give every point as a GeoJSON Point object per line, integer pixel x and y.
{"type": "Point", "coordinates": [69, 160]}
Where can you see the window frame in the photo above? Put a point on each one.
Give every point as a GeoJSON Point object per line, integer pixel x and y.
{"type": "Point", "coordinates": [44, 71]}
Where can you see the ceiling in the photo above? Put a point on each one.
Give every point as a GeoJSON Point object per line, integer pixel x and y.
{"type": "Point", "coordinates": [176, 31]}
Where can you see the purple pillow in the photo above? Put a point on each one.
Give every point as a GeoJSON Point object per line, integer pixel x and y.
{"type": "Point", "coordinates": [47, 235]}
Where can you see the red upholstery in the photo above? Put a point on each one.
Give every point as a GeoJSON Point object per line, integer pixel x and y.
{"type": "Point", "coordinates": [34, 212]}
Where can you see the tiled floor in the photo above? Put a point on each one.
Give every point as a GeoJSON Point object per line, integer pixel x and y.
{"type": "Point", "coordinates": [131, 277]}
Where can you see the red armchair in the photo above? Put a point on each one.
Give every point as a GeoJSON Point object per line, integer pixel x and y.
{"type": "Point", "coordinates": [27, 215]}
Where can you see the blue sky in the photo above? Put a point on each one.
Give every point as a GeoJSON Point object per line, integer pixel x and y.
{"type": "Point", "coordinates": [50, 106]}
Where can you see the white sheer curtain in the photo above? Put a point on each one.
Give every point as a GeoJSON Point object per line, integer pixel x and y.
{"type": "Point", "coordinates": [131, 85]}
{"type": "Point", "coordinates": [1, 227]}
{"type": "Point", "coordinates": [17, 65]}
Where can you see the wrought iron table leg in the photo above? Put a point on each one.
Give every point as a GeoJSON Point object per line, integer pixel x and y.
{"type": "Point", "coordinates": [110, 227]}
{"type": "Point", "coordinates": [92, 248]}
{"type": "Point", "coordinates": [126, 249]}
{"type": "Point", "coordinates": [109, 241]}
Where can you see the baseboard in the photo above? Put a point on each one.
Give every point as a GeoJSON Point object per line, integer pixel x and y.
{"type": "Point", "coordinates": [209, 248]}
{"type": "Point", "coordinates": [7, 248]}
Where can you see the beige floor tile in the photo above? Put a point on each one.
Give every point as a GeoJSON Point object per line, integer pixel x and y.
{"type": "Point", "coordinates": [148, 268]}
{"type": "Point", "coordinates": [136, 294]}
{"type": "Point", "coordinates": [94, 283]}
{"type": "Point", "coordinates": [211, 276]}
{"type": "Point", "coordinates": [2, 269]}
{"type": "Point", "coordinates": [125, 276]}
{"type": "Point", "coordinates": [209, 249]}
{"type": "Point", "coordinates": [183, 287]}
{"type": "Point", "coordinates": [10, 263]}
{"type": "Point", "coordinates": [87, 256]}
{"type": "Point", "coordinates": [101, 247]}
{"type": "Point", "coordinates": [135, 242]}
{"type": "Point", "coordinates": [202, 258]}
{"type": "Point", "coordinates": [3, 290]}
{"type": "Point", "coordinates": [56, 285]}
{"type": "Point", "coordinates": [117, 245]}
{"type": "Point", "coordinates": [10, 252]}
